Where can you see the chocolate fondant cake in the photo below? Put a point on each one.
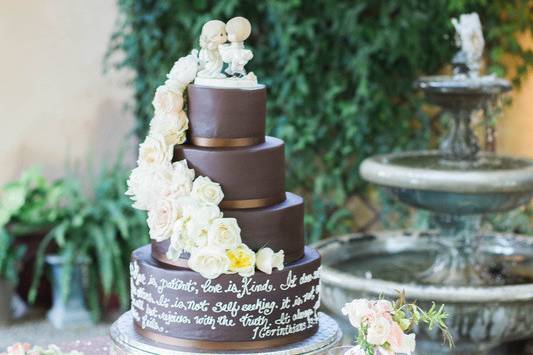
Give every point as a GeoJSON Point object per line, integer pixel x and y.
{"type": "Point", "coordinates": [227, 268]}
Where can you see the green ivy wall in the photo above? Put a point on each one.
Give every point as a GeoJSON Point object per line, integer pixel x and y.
{"type": "Point", "coordinates": [339, 75]}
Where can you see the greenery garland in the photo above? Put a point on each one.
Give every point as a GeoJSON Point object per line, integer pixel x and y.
{"type": "Point", "coordinates": [339, 75]}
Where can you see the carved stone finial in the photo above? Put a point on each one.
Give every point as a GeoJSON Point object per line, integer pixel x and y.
{"type": "Point", "coordinates": [469, 37]}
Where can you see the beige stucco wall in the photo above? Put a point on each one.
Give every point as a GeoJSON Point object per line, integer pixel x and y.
{"type": "Point", "coordinates": [515, 128]}
{"type": "Point", "coordinates": [56, 105]}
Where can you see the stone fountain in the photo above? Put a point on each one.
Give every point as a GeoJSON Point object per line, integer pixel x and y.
{"type": "Point", "coordinates": [484, 279]}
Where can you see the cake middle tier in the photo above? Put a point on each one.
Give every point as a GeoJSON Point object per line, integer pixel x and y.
{"type": "Point", "coordinates": [251, 177]}
{"type": "Point", "coordinates": [279, 227]}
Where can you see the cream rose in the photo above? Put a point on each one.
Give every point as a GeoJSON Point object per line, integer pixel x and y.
{"type": "Point", "coordinates": [162, 218]}
{"type": "Point", "coordinates": [266, 260]}
{"type": "Point", "coordinates": [209, 262]}
{"type": "Point", "coordinates": [182, 73]}
{"type": "Point", "coordinates": [207, 191]}
{"type": "Point", "coordinates": [357, 311]}
{"type": "Point", "coordinates": [378, 330]}
{"type": "Point", "coordinates": [154, 151]}
{"type": "Point", "coordinates": [242, 260]}
{"type": "Point", "coordinates": [172, 127]}
{"type": "Point", "coordinates": [224, 233]}
{"type": "Point", "coordinates": [167, 101]}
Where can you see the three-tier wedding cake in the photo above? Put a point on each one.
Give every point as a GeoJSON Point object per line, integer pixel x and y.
{"type": "Point", "coordinates": [227, 268]}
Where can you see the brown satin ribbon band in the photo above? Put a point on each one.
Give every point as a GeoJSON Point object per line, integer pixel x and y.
{"type": "Point", "coordinates": [252, 203]}
{"type": "Point", "coordinates": [222, 345]}
{"type": "Point", "coordinates": [226, 142]}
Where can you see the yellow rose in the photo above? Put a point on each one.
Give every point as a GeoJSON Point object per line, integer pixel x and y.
{"type": "Point", "coordinates": [242, 260]}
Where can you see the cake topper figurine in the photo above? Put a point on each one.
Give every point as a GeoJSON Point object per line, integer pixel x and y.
{"type": "Point", "coordinates": [238, 30]}
{"type": "Point", "coordinates": [213, 35]}
{"type": "Point", "coordinates": [214, 52]}
{"type": "Point", "coordinates": [469, 37]}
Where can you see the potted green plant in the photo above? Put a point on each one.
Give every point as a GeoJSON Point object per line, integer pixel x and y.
{"type": "Point", "coordinates": [100, 233]}
{"type": "Point", "coordinates": [29, 207]}
{"type": "Point", "coordinates": [10, 257]}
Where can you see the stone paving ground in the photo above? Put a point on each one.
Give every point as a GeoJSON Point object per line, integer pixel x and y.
{"type": "Point", "coordinates": [36, 330]}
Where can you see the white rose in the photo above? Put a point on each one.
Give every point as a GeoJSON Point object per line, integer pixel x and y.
{"type": "Point", "coordinates": [172, 127]}
{"type": "Point", "coordinates": [154, 151]}
{"type": "Point", "coordinates": [209, 262]}
{"type": "Point", "coordinates": [266, 260]}
{"type": "Point", "coordinates": [162, 218]}
{"type": "Point", "coordinates": [242, 260]}
{"type": "Point", "coordinates": [177, 181]}
{"type": "Point", "coordinates": [167, 101]}
{"type": "Point", "coordinates": [183, 236]}
{"type": "Point", "coordinates": [147, 184]}
{"type": "Point", "coordinates": [182, 73]}
{"type": "Point", "coordinates": [357, 311]}
{"type": "Point", "coordinates": [382, 306]}
{"type": "Point", "coordinates": [378, 330]}
{"type": "Point", "coordinates": [407, 344]}
{"type": "Point", "coordinates": [356, 350]}
{"type": "Point", "coordinates": [207, 191]}
{"type": "Point", "coordinates": [224, 233]}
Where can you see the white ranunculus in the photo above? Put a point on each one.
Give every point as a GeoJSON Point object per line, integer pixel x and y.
{"type": "Point", "coordinates": [224, 233]}
{"type": "Point", "coordinates": [209, 262]}
{"type": "Point", "coordinates": [266, 260]}
{"type": "Point", "coordinates": [182, 73]}
{"type": "Point", "coordinates": [172, 127]}
{"type": "Point", "coordinates": [378, 330]}
{"type": "Point", "coordinates": [162, 218]}
{"type": "Point", "coordinates": [242, 260]}
{"type": "Point", "coordinates": [167, 101]}
{"type": "Point", "coordinates": [154, 151]}
{"type": "Point", "coordinates": [207, 191]}
{"type": "Point", "coordinates": [357, 311]}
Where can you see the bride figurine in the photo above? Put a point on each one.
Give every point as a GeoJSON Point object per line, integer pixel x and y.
{"type": "Point", "coordinates": [213, 35]}
{"type": "Point", "coordinates": [238, 30]}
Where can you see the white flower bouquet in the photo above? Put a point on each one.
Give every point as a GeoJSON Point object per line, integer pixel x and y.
{"type": "Point", "coordinates": [386, 328]}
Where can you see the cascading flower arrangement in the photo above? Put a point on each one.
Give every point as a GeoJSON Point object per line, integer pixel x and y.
{"type": "Point", "coordinates": [386, 328]}
{"type": "Point", "coordinates": [182, 207]}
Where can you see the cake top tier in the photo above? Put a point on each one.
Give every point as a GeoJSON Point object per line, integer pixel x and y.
{"type": "Point", "coordinates": [216, 53]}
{"type": "Point", "coordinates": [220, 117]}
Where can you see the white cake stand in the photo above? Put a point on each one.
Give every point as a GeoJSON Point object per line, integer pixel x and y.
{"type": "Point", "coordinates": [127, 341]}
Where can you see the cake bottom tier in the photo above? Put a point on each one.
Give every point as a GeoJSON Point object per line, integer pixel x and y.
{"type": "Point", "coordinates": [178, 307]}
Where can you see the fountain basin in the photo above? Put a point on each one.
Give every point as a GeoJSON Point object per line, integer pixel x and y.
{"type": "Point", "coordinates": [383, 263]}
{"type": "Point", "coordinates": [426, 179]}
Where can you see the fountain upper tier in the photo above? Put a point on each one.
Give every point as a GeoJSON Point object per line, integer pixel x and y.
{"type": "Point", "coordinates": [427, 179]}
